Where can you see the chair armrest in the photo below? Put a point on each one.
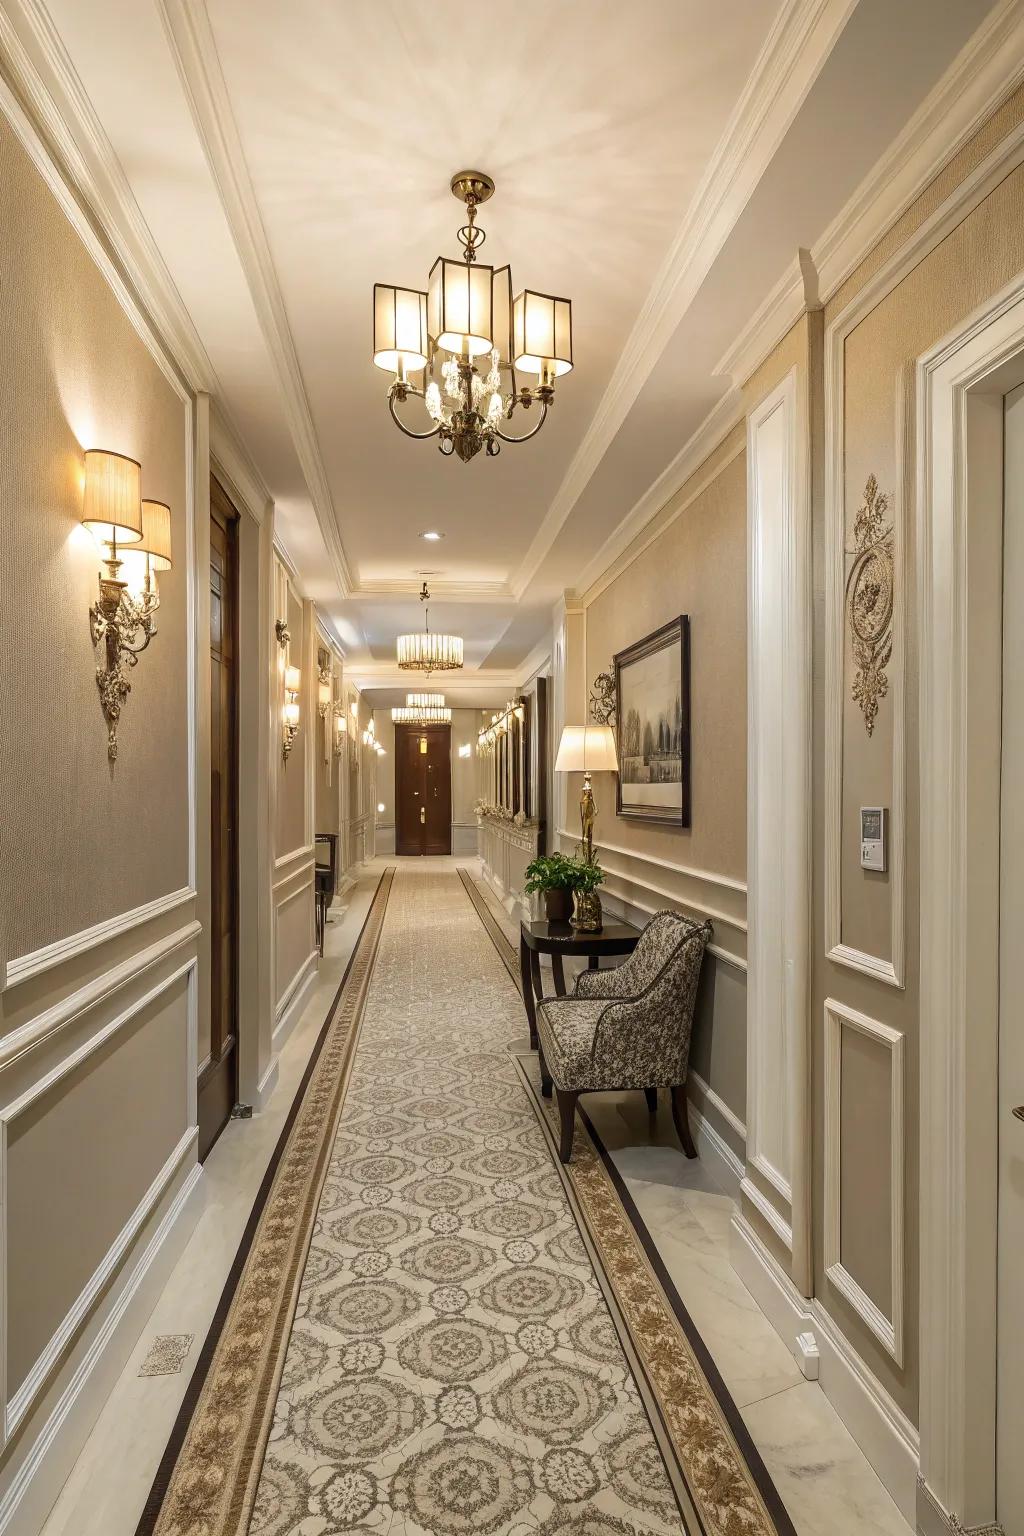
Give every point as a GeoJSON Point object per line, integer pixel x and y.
{"type": "Point", "coordinates": [614, 982]}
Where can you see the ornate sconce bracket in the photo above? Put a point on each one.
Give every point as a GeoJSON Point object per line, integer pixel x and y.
{"type": "Point", "coordinates": [869, 601]}
{"type": "Point", "coordinates": [123, 623]}
{"type": "Point", "coordinates": [604, 704]}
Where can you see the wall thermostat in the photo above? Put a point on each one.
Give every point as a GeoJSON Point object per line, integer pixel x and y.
{"type": "Point", "coordinates": [874, 821]}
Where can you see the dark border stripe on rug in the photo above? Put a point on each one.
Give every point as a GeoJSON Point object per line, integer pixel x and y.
{"type": "Point", "coordinates": [758, 1471]}
{"type": "Point", "coordinates": [362, 956]}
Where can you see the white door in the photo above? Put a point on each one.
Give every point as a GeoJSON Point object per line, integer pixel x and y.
{"type": "Point", "coordinates": [1010, 1407]}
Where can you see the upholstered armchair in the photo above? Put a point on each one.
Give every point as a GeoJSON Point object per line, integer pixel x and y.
{"type": "Point", "coordinates": [628, 1027]}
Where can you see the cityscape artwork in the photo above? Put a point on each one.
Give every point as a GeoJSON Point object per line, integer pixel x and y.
{"type": "Point", "coordinates": [653, 685]}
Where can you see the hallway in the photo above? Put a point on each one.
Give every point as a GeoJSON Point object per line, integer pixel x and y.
{"type": "Point", "coordinates": [445, 1230]}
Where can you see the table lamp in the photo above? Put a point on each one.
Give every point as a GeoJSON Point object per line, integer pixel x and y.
{"type": "Point", "coordinates": [587, 749]}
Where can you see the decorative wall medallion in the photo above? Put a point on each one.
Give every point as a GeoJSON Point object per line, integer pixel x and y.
{"type": "Point", "coordinates": [603, 701]}
{"type": "Point", "coordinates": [869, 601]}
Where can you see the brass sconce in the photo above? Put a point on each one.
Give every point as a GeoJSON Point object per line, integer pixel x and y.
{"type": "Point", "coordinates": [290, 713]}
{"type": "Point", "coordinates": [134, 537]}
{"type": "Point", "coordinates": [325, 677]}
{"type": "Point", "coordinates": [340, 729]}
{"type": "Point", "coordinates": [282, 632]}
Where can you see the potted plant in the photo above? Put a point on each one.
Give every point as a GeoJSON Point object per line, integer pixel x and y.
{"type": "Point", "coordinates": [586, 909]}
{"type": "Point", "coordinates": [554, 876]}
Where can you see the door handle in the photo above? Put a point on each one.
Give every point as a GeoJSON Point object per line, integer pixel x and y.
{"type": "Point", "coordinates": [1018, 1113]}
{"type": "Point", "coordinates": [423, 815]}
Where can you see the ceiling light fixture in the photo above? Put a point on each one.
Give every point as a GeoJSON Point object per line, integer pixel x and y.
{"type": "Point", "coordinates": [432, 534]}
{"type": "Point", "coordinates": [467, 313]}
{"type": "Point", "coordinates": [427, 652]}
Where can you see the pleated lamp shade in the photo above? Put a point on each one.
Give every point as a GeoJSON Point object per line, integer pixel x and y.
{"type": "Point", "coordinates": [156, 534]}
{"type": "Point", "coordinates": [112, 506]}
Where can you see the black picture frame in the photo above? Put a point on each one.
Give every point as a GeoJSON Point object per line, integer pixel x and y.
{"type": "Point", "coordinates": [675, 633]}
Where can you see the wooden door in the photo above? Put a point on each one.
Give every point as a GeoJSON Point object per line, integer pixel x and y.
{"type": "Point", "coordinates": [423, 789]}
{"type": "Point", "coordinates": [218, 1080]}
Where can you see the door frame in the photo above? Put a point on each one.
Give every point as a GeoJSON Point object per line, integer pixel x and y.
{"type": "Point", "coordinates": [404, 733]}
{"type": "Point", "coordinates": [257, 1064]}
{"type": "Point", "coordinates": [959, 892]}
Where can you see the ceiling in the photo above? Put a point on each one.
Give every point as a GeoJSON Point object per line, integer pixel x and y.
{"type": "Point", "coordinates": [659, 163]}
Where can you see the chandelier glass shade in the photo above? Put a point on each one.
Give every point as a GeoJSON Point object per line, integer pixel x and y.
{"type": "Point", "coordinates": [424, 700]}
{"type": "Point", "coordinates": [428, 652]}
{"type": "Point", "coordinates": [402, 714]}
{"type": "Point", "coordinates": [469, 336]}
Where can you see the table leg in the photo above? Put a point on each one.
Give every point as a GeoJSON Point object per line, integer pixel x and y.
{"type": "Point", "coordinates": [526, 978]}
{"type": "Point", "coordinates": [559, 974]}
{"type": "Point", "coordinates": [592, 963]}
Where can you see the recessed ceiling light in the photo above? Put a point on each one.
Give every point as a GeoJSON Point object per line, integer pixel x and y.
{"type": "Point", "coordinates": [432, 535]}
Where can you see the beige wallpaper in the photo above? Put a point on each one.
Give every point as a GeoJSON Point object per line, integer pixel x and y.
{"type": "Point", "coordinates": [81, 840]}
{"type": "Point", "coordinates": [697, 566]}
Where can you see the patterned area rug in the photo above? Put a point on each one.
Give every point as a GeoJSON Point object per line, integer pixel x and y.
{"type": "Point", "coordinates": [432, 1330]}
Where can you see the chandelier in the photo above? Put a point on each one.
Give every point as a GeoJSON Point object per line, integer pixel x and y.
{"type": "Point", "coordinates": [468, 317]}
{"type": "Point", "coordinates": [422, 709]}
{"type": "Point", "coordinates": [427, 652]}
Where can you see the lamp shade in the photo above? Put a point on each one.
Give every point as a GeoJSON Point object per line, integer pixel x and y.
{"type": "Point", "coordinates": [292, 679]}
{"type": "Point", "coordinates": [501, 315]}
{"type": "Point", "coordinates": [542, 333]}
{"type": "Point", "coordinates": [587, 749]}
{"type": "Point", "coordinates": [112, 506]}
{"type": "Point", "coordinates": [156, 534]}
{"type": "Point", "coordinates": [459, 306]}
{"type": "Point", "coordinates": [424, 700]}
{"type": "Point", "coordinates": [399, 327]}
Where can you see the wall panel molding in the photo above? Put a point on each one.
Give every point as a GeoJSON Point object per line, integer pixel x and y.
{"type": "Point", "coordinates": [718, 1104]}
{"type": "Point", "coordinates": [888, 1330]}
{"type": "Point", "coordinates": [15, 1406]}
{"type": "Point", "coordinates": [25, 967]}
{"type": "Point", "coordinates": [778, 811]}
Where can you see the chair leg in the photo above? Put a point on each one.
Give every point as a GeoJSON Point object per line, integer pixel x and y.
{"type": "Point", "coordinates": [545, 1075]}
{"type": "Point", "coordinates": [682, 1123]}
{"type": "Point", "coordinates": [652, 1100]}
{"type": "Point", "coordinates": [567, 1112]}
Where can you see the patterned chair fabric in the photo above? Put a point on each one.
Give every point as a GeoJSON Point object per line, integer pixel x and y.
{"type": "Point", "coordinates": [629, 1027]}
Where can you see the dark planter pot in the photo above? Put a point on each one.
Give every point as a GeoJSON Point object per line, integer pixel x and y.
{"type": "Point", "coordinates": [558, 905]}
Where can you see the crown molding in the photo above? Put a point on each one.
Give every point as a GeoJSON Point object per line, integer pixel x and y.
{"type": "Point", "coordinates": [534, 664]}
{"type": "Point", "coordinates": [233, 463]}
{"type": "Point", "coordinates": [801, 39]}
{"type": "Point", "coordinates": [55, 100]}
{"type": "Point", "coordinates": [984, 73]}
{"type": "Point", "coordinates": [191, 41]}
{"type": "Point", "coordinates": [634, 533]}
{"type": "Point", "coordinates": [385, 674]}
{"type": "Point", "coordinates": [794, 294]}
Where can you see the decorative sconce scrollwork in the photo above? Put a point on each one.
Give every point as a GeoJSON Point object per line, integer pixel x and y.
{"type": "Point", "coordinates": [134, 537]}
{"type": "Point", "coordinates": [870, 590]}
{"type": "Point", "coordinates": [325, 681]}
{"type": "Point", "coordinates": [290, 713]}
{"type": "Point", "coordinates": [604, 704]}
{"type": "Point", "coordinates": [340, 729]}
{"type": "Point", "coordinates": [282, 632]}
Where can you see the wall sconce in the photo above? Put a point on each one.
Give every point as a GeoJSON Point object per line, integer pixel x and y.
{"type": "Point", "coordinates": [340, 730]}
{"type": "Point", "coordinates": [465, 750]}
{"type": "Point", "coordinates": [116, 516]}
{"type": "Point", "coordinates": [325, 677]}
{"type": "Point", "coordinates": [290, 713]}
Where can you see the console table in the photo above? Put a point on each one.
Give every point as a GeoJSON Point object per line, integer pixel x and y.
{"type": "Point", "coordinates": [558, 940]}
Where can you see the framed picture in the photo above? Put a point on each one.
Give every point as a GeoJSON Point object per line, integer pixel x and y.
{"type": "Point", "coordinates": [652, 680]}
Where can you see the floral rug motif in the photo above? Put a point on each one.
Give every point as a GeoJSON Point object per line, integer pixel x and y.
{"type": "Point", "coordinates": [438, 1355]}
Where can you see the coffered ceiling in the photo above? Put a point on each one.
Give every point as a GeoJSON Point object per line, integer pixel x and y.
{"type": "Point", "coordinates": [660, 163]}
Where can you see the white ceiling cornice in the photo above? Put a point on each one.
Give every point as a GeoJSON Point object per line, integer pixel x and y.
{"type": "Point", "coordinates": [63, 114]}
{"type": "Point", "coordinates": [232, 463]}
{"type": "Point", "coordinates": [795, 292]}
{"type": "Point", "coordinates": [386, 674]}
{"type": "Point", "coordinates": [192, 43]}
{"type": "Point", "coordinates": [801, 39]}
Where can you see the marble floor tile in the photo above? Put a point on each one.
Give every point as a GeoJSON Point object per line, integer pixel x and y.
{"type": "Point", "coordinates": [825, 1481]}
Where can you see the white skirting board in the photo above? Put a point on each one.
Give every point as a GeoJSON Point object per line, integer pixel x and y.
{"type": "Point", "coordinates": [267, 1083]}
{"type": "Point", "coordinates": [45, 1469]}
{"type": "Point", "coordinates": [295, 1000]}
{"type": "Point", "coordinates": [715, 1152]}
{"type": "Point", "coordinates": [885, 1435]}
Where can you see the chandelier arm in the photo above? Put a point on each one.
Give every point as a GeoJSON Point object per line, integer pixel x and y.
{"type": "Point", "coordinates": [401, 424]}
{"type": "Point", "coordinates": [526, 435]}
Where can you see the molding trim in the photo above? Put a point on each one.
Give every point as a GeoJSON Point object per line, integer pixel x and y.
{"type": "Point", "coordinates": [305, 852]}
{"type": "Point", "coordinates": [794, 294]}
{"type": "Point", "coordinates": [637, 531]}
{"type": "Point", "coordinates": [44, 1026]}
{"type": "Point", "coordinates": [191, 41]}
{"type": "Point", "coordinates": [293, 1000]}
{"type": "Point", "coordinates": [986, 71]}
{"type": "Point", "coordinates": [959, 1057]}
{"type": "Point", "coordinates": [800, 41]}
{"type": "Point", "coordinates": [233, 466]}
{"type": "Point", "coordinates": [15, 1406]}
{"type": "Point", "coordinates": [765, 1209]}
{"type": "Point", "coordinates": [718, 1104]}
{"type": "Point", "coordinates": [888, 1330]}
{"type": "Point", "coordinates": [63, 950]}
{"type": "Point", "coordinates": [705, 876]}
{"type": "Point", "coordinates": [715, 1152]}
{"type": "Point", "coordinates": [39, 1478]}
{"type": "Point", "coordinates": [880, 1428]}
{"type": "Point", "coordinates": [778, 830]}
{"type": "Point", "coordinates": [961, 202]}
